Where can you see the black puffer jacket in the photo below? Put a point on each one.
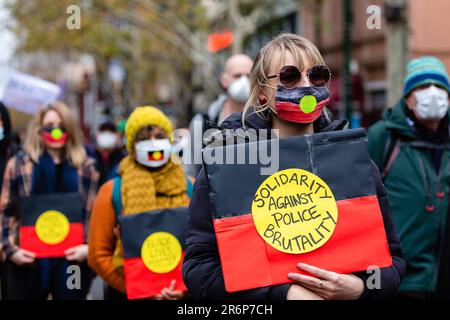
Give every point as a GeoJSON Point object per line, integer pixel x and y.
{"type": "Point", "coordinates": [202, 271]}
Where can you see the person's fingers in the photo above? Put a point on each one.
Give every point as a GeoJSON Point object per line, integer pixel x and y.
{"type": "Point", "coordinates": [71, 257]}
{"type": "Point", "coordinates": [165, 295]}
{"type": "Point", "coordinates": [28, 253]}
{"type": "Point", "coordinates": [164, 290]}
{"type": "Point", "coordinates": [157, 297]}
{"type": "Point", "coordinates": [168, 292]}
{"type": "Point", "coordinates": [69, 251]}
{"type": "Point", "coordinates": [307, 280]}
{"type": "Point", "coordinates": [26, 259]}
{"type": "Point", "coordinates": [172, 284]}
{"type": "Point", "coordinates": [320, 273]}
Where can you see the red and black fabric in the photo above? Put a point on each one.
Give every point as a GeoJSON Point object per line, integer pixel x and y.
{"type": "Point", "coordinates": [341, 159]}
{"type": "Point", "coordinates": [140, 281]}
{"type": "Point", "coordinates": [69, 204]}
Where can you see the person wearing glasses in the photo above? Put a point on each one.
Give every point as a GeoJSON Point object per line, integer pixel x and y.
{"type": "Point", "coordinates": [54, 161]}
{"type": "Point", "coordinates": [234, 81]}
{"type": "Point", "coordinates": [410, 145]}
{"type": "Point", "coordinates": [288, 92]}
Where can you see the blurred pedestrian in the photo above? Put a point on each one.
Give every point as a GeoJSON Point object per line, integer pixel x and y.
{"type": "Point", "coordinates": [5, 138]}
{"type": "Point", "coordinates": [146, 184]}
{"type": "Point", "coordinates": [410, 145]}
{"type": "Point", "coordinates": [234, 81]}
{"type": "Point", "coordinates": [121, 131]}
{"type": "Point", "coordinates": [17, 140]}
{"type": "Point", "coordinates": [288, 64]}
{"type": "Point", "coordinates": [54, 162]}
{"type": "Point", "coordinates": [108, 152]}
{"type": "Point", "coordinates": [5, 152]}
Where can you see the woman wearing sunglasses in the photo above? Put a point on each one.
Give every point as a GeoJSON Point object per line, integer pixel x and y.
{"type": "Point", "coordinates": [289, 92]}
{"type": "Point", "coordinates": [54, 162]}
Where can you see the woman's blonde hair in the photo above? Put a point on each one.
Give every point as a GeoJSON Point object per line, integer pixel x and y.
{"type": "Point", "coordinates": [262, 66]}
{"type": "Point", "coordinates": [74, 149]}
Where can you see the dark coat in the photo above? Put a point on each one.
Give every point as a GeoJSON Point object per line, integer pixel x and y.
{"type": "Point", "coordinates": [201, 266]}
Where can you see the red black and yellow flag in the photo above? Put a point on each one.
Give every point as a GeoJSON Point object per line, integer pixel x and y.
{"type": "Point", "coordinates": [153, 245]}
{"type": "Point", "coordinates": [156, 155]}
{"type": "Point", "coordinates": [51, 224]}
{"type": "Point", "coordinates": [319, 207]}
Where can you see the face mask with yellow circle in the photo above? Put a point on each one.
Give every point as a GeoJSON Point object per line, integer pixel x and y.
{"type": "Point", "coordinates": [301, 104]}
{"type": "Point", "coordinates": [153, 153]}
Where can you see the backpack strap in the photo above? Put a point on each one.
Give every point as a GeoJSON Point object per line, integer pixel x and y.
{"type": "Point", "coordinates": [392, 151]}
{"type": "Point", "coordinates": [117, 196]}
{"type": "Point", "coordinates": [190, 180]}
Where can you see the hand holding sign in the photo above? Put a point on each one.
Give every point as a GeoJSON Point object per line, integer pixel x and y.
{"type": "Point", "coordinates": [78, 253]}
{"type": "Point", "coordinates": [170, 294]}
{"type": "Point", "coordinates": [22, 257]}
{"type": "Point", "coordinates": [329, 285]}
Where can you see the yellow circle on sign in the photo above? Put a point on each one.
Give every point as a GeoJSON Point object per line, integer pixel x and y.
{"type": "Point", "coordinates": [52, 227]}
{"type": "Point", "coordinates": [157, 155]}
{"type": "Point", "coordinates": [161, 252]}
{"type": "Point", "coordinates": [294, 211]}
{"type": "Point", "coordinates": [308, 104]}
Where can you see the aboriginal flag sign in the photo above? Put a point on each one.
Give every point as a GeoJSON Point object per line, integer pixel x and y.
{"type": "Point", "coordinates": [153, 245]}
{"type": "Point", "coordinates": [320, 207]}
{"type": "Point", "coordinates": [51, 224]}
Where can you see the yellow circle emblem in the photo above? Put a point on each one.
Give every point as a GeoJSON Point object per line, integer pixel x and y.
{"type": "Point", "coordinates": [56, 133]}
{"type": "Point", "coordinates": [157, 155]}
{"type": "Point", "coordinates": [308, 104]}
{"type": "Point", "coordinates": [294, 211]}
{"type": "Point", "coordinates": [161, 252]}
{"type": "Point", "coordinates": [52, 227]}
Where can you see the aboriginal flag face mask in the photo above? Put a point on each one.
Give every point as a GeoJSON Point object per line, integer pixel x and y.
{"type": "Point", "coordinates": [54, 135]}
{"type": "Point", "coordinates": [153, 153]}
{"type": "Point", "coordinates": [301, 104]}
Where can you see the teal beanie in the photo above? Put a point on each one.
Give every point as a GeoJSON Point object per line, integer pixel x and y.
{"type": "Point", "coordinates": [425, 70]}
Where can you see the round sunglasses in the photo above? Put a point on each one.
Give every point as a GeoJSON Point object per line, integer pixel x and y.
{"type": "Point", "coordinates": [318, 75]}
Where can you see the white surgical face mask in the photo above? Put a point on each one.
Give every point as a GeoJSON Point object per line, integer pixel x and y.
{"type": "Point", "coordinates": [106, 140]}
{"type": "Point", "coordinates": [2, 133]}
{"type": "Point", "coordinates": [153, 153]}
{"type": "Point", "coordinates": [432, 103]}
{"type": "Point", "coordinates": [239, 90]}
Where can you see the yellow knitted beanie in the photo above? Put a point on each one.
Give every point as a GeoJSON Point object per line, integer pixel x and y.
{"type": "Point", "coordinates": [146, 116]}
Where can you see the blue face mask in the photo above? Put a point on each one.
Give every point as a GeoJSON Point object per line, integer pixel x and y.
{"type": "Point", "coordinates": [2, 133]}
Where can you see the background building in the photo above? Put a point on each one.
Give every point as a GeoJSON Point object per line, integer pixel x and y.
{"type": "Point", "coordinates": [422, 22]}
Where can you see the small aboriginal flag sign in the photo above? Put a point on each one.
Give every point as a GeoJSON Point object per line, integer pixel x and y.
{"type": "Point", "coordinates": [51, 224]}
{"type": "Point", "coordinates": [319, 208]}
{"type": "Point", "coordinates": [153, 244]}
{"type": "Point", "coordinates": [156, 155]}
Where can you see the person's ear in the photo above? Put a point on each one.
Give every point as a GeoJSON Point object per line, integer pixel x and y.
{"type": "Point", "coordinates": [225, 80]}
{"type": "Point", "coordinates": [410, 101]}
{"type": "Point", "coordinates": [262, 100]}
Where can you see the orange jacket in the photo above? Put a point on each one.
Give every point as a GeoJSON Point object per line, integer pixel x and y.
{"type": "Point", "coordinates": [103, 238]}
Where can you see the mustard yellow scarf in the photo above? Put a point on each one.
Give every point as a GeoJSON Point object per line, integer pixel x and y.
{"type": "Point", "coordinates": [146, 190]}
